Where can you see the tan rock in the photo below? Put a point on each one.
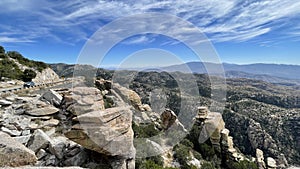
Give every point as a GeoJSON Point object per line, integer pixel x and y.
{"type": "Point", "coordinates": [260, 159]}
{"type": "Point", "coordinates": [108, 131]}
{"type": "Point", "coordinates": [49, 110]}
{"type": "Point", "coordinates": [128, 96]}
{"type": "Point", "coordinates": [13, 153]}
{"type": "Point", "coordinates": [82, 100]}
{"type": "Point", "coordinates": [271, 163]}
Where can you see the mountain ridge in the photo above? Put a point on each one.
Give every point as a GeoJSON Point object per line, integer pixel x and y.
{"type": "Point", "coordinates": [277, 70]}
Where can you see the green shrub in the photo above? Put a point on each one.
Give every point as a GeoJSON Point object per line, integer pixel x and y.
{"type": "Point", "coordinates": [144, 131]}
{"type": "Point", "coordinates": [207, 165]}
{"type": "Point", "coordinates": [244, 165]}
{"type": "Point", "coordinates": [149, 164]}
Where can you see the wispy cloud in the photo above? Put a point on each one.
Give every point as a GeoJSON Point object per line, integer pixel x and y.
{"type": "Point", "coordinates": [74, 21]}
{"type": "Point", "coordinates": [139, 40]}
{"type": "Point", "coordinates": [4, 39]}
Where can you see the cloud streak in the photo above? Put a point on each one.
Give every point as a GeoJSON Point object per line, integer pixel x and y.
{"type": "Point", "coordinates": [74, 21]}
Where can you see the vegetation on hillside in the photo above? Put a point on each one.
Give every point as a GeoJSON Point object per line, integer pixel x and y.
{"type": "Point", "coordinates": [9, 69]}
{"type": "Point", "coordinates": [274, 107]}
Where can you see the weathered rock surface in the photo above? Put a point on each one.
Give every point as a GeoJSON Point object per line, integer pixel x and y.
{"type": "Point", "coordinates": [46, 76]}
{"type": "Point", "coordinates": [52, 97]}
{"type": "Point", "coordinates": [168, 118]}
{"type": "Point", "coordinates": [271, 163]}
{"type": "Point", "coordinates": [260, 159]}
{"type": "Point", "coordinates": [108, 132]}
{"type": "Point", "coordinates": [82, 100]}
{"type": "Point", "coordinates": [128, 96]}
{"type": "Point", "coordinates": [13, 153]}
{"type": "Point", "coordinates": [57, 146]}
{"type": "Point", "coordinates": [5, 103]}
{"type": "Point", "coordinates": [44, 111]}
{"type": "Point", "coordinates": [40, 140]}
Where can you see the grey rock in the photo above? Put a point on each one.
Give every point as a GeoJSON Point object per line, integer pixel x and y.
{"type": "Point", "coordinates": [131, 164]}
{"type": "Point", "coordinates": [57, 146]}
{"type": "Point", "coordinates": [128, 96]}
{"type": "Point", "coordinates": [52, 97]}
{"type": "Point", "coordinates": [119, 164]}
{"type": "Point", "coordinates": [51, 160]}
{"type": "Point", "coordinates": [41, 154]}
{"type": "Point", "coordinates": [40, 140]}
{"type": "Point", "coordinates": [11, 132]}
{"type": "Point", "coordinates": [73, 152]}
{"type": "Point", "coordinates": [76, 160]}
{"type": "Point", "coordinates": [25, 132]}
{"type": "Point", "coordinates": [5, 103]}
{"type": "Point", "coordinates": [13, 153]}
{"type": "Point", "coordinates": [23, 139]}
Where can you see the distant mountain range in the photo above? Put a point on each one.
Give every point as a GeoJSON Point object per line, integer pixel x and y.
{"type": "Point", "coordinates": [276, 70]}
{"type": "Point", "coordinates": [288, 75]}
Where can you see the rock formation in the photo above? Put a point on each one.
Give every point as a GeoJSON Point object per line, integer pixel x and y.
{"type": "Point", "coordinates": [13, 153]}
{"type": "Point", "coordinates": [260, 159]}
{"type": "Point", "coordinates": [106, 131]}
{"type": "Point", "coordinates": [46, 76]}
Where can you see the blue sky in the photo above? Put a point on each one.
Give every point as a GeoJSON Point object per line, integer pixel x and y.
{"type": "Point", "coordinates": [242, 31]}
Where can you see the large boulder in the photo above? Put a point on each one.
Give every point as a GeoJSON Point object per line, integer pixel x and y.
{"type": "Point", "coordinates": [46, 76]}
{"type": "Point", "coordinates": [13, 153]}
{"type": "Point", "coordinates": [40, 141]}
{"type": "Point", "coordinates": [82, 100]}
{"type": "Point", "coordinates": [108, 131]}
{"type": "Point", "coordinates": [128, 96]}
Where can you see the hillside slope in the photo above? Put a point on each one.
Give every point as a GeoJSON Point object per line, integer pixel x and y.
{"type": "Point", "coordinates": [14, 66]}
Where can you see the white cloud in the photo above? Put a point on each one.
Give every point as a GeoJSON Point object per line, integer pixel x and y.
{"type": "Point", "coordinates": [4, 39]}
{"type": "Point", "coordinates": [230, 20]}
{"type": "Point", "coordinates": [139, 40]}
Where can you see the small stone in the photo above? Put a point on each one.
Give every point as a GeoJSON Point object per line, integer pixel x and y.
{"type": "Point", "coordinates": [73, 151]}
{"type": "Point", "coordinates": [5, 103]}
{"type": "Point", "coordinates": [168, 118]}
{"type": "Point", "coordinates": [11, 132]}
{"type": "Point", "coordinates": [25, 132]}
{"type": "Point", "coordinates": [41, 153]}
{"type": "Point", "coordinates": [271, 163]}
